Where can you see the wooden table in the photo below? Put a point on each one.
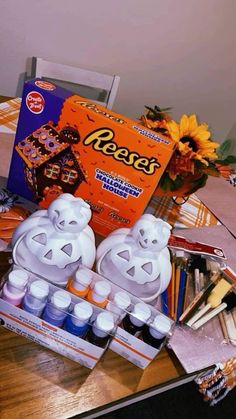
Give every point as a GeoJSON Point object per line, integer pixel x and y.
{"type": "Point", "coordinates": [38, 383]}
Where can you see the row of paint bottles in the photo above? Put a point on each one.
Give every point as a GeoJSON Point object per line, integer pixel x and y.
{"type": "Point", "coordinates": [135, 321]}
{"type": "Point", "coordinates": [78, 323]}
{"type": "Point", "coordinates": [35, 301]}
{"type": "Point", "coordinates": [154, 333]}
{"type": "Point", "coordinates": [80, 285]}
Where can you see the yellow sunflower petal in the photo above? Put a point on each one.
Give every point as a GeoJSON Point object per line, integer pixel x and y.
{"type": "Point", "coordinates": [184, 126]}
{"type": "Point", "coordinates": [203, 136]}
{"type": "Point", "coordinates": [173, 129]}
{"type": "Point", "coordinates": [192, 123]}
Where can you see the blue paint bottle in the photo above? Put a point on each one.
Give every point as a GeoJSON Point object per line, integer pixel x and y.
{"type": "Point", "coordinates": [78, 322]}
{"type": "Point", "coordinates": [36, 297]}
{"type": "Point", "coordinates": [56, 310]}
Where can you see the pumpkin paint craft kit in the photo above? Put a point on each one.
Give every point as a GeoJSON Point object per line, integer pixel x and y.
{"type": "Point", "coordinates": [67, 144]}
{"type": "Point", "coordinates": [52, 296]}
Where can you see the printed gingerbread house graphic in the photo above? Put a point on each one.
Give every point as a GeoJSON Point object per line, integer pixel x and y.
{"type": "Point", "coordinates": [49, 161]}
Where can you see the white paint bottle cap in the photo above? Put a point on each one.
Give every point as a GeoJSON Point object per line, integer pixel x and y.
{"type": "Point", "coordinates": [104, 324]}
{"type": "Point", "coordinates": [140, 314]}
{"type": "Point", "coordinates": [83, 278]}
{"type": "Point", "coordinates": [39, 289]}
{"type": "Point", "coordinates": [81, 313]}
{"type": "Point", "coordinates": [160, 326]}
{"type": "Point", "coordinates": [61, 300]}
{"type": "Point", "coordinates": [101, 291]}
{"type": "Point", "coordinates": [122, 300]}
{"type": "Point", "coordinates": [17, 281]}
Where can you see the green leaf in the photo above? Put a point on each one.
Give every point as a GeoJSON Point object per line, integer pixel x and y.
{"type": "Point", "coordinates": [167, 184]}
{"type": "Point", "coordinates": [224, 147]}
{"type": "Point", "coordinates": [228, 160]}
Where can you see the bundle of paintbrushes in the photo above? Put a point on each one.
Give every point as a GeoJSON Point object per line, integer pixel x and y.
{"type": "Point", "coordinates": [201, 288]}
{"type": "Point", "coordinates": [216, 298]}
{"type": "Point", "coordinates": [190, 275]}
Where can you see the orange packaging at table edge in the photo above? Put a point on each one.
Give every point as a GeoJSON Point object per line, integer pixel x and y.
{"type": "Point", "coordinates": [66, 143]}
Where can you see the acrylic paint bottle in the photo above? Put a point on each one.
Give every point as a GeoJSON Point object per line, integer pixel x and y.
{"type": "Point", "coordinates": [135, 321]}
{"type": "Point", "coordinates": [120, 303]}
{"type": "Point", "coordinates": [56, 309]}
{"type": "Point", "coordinates": [79, 283]}
{"type": "Point", "coordinates": [15, 288]}
{"type": "Point", "coordinates": [99, 333]}
{"type": "Point", "coordinates": [155, 333]}
{"type": "Point", "coordinates": [36, 297]}
{"type": "Point", "coordinates": [77, 322]}
{"type": "Point", "coordinates": [99, 294]}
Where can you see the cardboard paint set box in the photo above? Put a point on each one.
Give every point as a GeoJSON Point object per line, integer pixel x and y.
{"type": "Point", "coordinates": [65, 143]}
{"type": "Point", "coordinates": [127, 343]}
{"type": "Point", "coordinates": [133, 347]}
{"type": "Point", "coordinates": [57, 338]}
{"type": "Point", "coordinates": [51, 336]}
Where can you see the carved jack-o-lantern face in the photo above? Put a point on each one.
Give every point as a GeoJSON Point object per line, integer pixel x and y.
{"type": "Point", "coordinates": [68, 213]}
{"type": "Point", "coordinates": [134, 267]}
{"type": "Point", "coordinates": [150, 233]}
{"type": "Point", "coordinates": [51, 250]}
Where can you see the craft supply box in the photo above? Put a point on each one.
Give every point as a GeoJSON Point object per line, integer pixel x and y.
{"type": "Point", "coordinates": [122, 342]}
{"type": "Point", "coordinates": [55, 338]}
{"type": "Point", "coordinates": [65, 143]}
{"type": "Point", "coordinates": [80, 350]}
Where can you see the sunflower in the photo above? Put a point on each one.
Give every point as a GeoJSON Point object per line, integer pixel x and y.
{"type": "Point", "coordinates": [193, 140]}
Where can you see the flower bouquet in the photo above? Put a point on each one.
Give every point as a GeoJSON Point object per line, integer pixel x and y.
{"type": "Point", "coordinates": [196, 155]}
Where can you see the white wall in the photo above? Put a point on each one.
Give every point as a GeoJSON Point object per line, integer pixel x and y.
{"type": "Point", "coordinates": [179, 53]}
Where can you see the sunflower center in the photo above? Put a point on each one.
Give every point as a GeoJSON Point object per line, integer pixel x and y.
{"type": "Point", "coordinates": [190, 140]}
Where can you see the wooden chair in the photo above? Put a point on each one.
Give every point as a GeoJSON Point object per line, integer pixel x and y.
{"type": "Point", "coordinates": [100, 88]}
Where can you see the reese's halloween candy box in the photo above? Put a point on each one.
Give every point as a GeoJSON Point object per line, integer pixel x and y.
{"type": "Point", "coordinates": [68, 144]}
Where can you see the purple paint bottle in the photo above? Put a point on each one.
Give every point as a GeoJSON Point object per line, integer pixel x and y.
{"type": "Point", "coordinates": [36, 297]}
{"type": "Point", "coordinates": [15, 288]}
{"type": "Point", "coordinates": [56, 310]}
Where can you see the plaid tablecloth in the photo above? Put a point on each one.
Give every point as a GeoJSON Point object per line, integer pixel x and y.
{"type": "Point", "coordinates": [190, 214]}
{"type": "Point", "coordinates": [9, 113]}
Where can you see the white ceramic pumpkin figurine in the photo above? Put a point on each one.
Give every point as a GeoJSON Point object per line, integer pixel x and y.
{"type": "Point", "coordinates": [137, 258]}
{"type": "Point", "coordinates": [54, 242]}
